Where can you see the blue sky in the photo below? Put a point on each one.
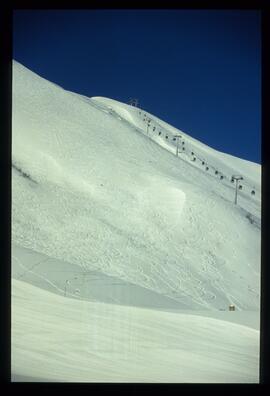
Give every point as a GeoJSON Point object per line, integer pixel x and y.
{"type": "Point", "coordinates": [199, 70]}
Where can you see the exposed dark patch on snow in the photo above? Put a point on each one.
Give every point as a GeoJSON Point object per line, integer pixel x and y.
{"type": "Point", "coordinates": [23, 173]}
{"type": "Point", "coordinates": [253, 220]}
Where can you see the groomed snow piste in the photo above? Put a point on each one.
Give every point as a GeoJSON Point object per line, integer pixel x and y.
{"type": "Point", "coordinates": [117, 230]}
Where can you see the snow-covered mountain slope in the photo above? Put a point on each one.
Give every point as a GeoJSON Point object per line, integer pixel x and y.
{"type": "Point", "coordinates": [109, 222]}
{"type": "Point", "coordinates": [189, 148]}
{"type": "Point", "coordinates": [93, 186]}
{"type": "Point", "coordinates": [67, 279]}
{"type": "Point", "coordinates": [60, 339]}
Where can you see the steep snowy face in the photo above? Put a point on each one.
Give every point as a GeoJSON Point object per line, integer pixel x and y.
{"type": "Point", "coordinates": [96, 186]}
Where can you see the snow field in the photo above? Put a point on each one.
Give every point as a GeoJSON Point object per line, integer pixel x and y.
{"type": "Point", "coordinates": [68, 340]}
{"type": "Point", "coordinates": [98, 197]}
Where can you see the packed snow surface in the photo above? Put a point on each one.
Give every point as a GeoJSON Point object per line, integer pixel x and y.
{"type": "Point", "coordinates": [106, 218]}
{"type": "Point", "coordinates": [84, 341]}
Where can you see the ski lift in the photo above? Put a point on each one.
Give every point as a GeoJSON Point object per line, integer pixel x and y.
{"type": "Point", "coordinates": [221, 177]}
{"type": "Point", "coordinates": [240, 187]}
{"type": "Point", "coordinates": [252, 192]}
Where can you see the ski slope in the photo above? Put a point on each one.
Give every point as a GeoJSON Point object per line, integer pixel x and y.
{"type": "Point", "coordinates": [109, 343]}
{"type": "Point", "coordinates": [99, 195]}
